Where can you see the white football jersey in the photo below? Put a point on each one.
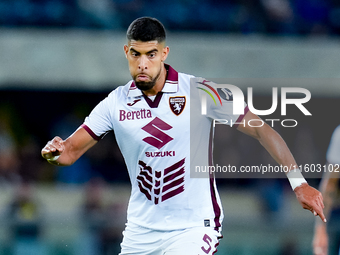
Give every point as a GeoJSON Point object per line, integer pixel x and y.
{"type": "Point", "coordinates": [154, 138]}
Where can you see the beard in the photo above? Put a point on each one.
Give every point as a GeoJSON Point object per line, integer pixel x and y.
{"type": "Point", "coordinates": [146, 85]}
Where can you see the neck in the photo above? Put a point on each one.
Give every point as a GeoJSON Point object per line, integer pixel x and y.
{"type": "Point", "coordinates": [159, 83]}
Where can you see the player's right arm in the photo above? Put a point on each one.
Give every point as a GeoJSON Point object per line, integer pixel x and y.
{"type": "Point", "coordinates": [308, 197]}
{"type": "Point", "coordinates": [68, 150]}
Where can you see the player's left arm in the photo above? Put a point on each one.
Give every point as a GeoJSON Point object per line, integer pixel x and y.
{"type": "Point", "coordinates": [310, 198]}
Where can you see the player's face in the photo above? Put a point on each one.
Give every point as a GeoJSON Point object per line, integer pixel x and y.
{"type": "Point", "coordinates": [145, 62]}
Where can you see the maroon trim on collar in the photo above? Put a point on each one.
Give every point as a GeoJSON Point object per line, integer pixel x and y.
{"type": "Point", "coordinates": [172, 73]}
{"type": "Point", "coordinates": [155, 103]}
{"type": "Point", "coordinates": [133, 85]}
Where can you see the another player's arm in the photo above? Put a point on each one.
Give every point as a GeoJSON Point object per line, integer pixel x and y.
{"type": "Point", "coordinates": [308, 197]}
{"type": "Point", "coordinates": [328, 188]}
{"type": "Point", "coordinates": [68, 150]}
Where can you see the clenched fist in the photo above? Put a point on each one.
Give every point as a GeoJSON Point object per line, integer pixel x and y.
{"type": "Point", "coordinates": [53, 148]}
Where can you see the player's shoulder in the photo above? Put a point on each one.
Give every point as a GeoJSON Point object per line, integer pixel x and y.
{"type": "Point", "coordinates": [187, 80]}
{"type": "Point", "coordinates": [198, 82]}
{"type": "Point", "coordinates": [193, 78]}
{"type": "Point", "coordinates": [121, 90]}
{"type": "Point", "coordinates": [185, 76]}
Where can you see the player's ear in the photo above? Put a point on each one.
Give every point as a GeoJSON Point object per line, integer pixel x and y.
{"type": "Point", "coordinates": [165, 53]}
{"type": "Point", "coordinates": [126, 50]}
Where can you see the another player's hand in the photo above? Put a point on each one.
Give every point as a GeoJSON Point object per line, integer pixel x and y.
{"type": "Point", "coordinates": [320, 241]}
{"type": "Point", "coordinates": [310, 199]}
{"type": "Point", "coordinates": [53, 148]}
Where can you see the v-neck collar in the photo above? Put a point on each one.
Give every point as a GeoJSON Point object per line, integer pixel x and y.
{"type": "Point", "coordinates": [154, 103]}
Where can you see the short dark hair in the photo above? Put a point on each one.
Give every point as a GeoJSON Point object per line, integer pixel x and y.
{"type": "Point", "coordinates": [146, 29]}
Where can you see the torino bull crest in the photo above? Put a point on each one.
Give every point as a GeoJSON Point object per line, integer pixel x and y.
{"type": "Point", "coordinates": [177, 104]}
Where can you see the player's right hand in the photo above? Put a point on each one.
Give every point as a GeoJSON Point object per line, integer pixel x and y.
{"type": "Point", "coordinates": [310, 199]}
{"type": "Point", "coordinates": [53, 148]}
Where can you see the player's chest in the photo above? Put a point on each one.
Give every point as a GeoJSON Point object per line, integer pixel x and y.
{"type": "Point", "coordinates": [166, 114]}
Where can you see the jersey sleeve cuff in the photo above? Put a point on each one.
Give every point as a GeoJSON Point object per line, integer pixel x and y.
{"type": "Point", "coordinates": [240, 118]}
{"type": "Point", "coordinates": [91, 133]}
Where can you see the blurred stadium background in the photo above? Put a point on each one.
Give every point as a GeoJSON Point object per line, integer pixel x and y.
{"type": "Point", "coordinates": [59, 58]}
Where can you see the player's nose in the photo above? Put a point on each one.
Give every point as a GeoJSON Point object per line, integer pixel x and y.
{"type": "Point", "coordinates": [143, 63]}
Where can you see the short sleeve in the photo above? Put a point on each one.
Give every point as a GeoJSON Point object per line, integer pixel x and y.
{"type": "Point", "coordinates": [221, 103]}
{"type": "Point", "coordinates": [99, 122]}
{"type": "Point", "coordinates": [333, 152]}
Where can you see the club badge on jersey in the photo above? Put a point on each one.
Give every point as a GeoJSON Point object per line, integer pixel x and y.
{"type": "Point", "coordinates": [177, 104]}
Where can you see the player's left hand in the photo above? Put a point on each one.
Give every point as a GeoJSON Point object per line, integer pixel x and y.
{"type": "Point", "coordinates": [310, 199]}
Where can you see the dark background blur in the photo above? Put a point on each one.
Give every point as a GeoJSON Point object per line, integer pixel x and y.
{"type": "Point", "coordinates": [59, 58]}
{"type": "Point", "coordinates": [301, 17]}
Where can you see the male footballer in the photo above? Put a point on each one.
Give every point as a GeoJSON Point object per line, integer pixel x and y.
{"type": "Point", "coordinates": [169, 213]}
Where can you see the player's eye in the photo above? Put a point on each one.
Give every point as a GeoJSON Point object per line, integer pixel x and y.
{"type": "Point", "coordinates": [152, 55]}
{"type": "Point", "coordinates": [135, 54]}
